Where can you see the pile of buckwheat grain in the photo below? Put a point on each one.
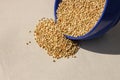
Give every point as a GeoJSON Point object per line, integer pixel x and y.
{"type": "Point", "coordinates": [74, 18]}
{"type": "Point", "coordinates": [49, 37]}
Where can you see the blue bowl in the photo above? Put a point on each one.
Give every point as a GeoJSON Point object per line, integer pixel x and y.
{"type": "Point", "coordinates": [109, 18]}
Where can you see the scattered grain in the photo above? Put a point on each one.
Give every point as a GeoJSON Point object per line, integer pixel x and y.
{"type": "Point", "coordinates": [27, 43]}
{"type": "Point", "coordinates": [74, 56]}
{"type": "Point", "coordinates": [30, 31]}
{"type": "Point", "coordinates": [54, 60]}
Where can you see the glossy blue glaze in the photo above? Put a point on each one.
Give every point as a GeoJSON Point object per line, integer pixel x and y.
{"type": "Point", "coordinates": [108, 19]}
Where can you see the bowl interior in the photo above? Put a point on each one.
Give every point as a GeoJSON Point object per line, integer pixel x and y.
{"type": "Point", "coordinates": [87, 34]}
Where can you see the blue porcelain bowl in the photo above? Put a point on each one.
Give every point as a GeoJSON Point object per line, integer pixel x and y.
{"type": "Point", "coordinates": [109, 18]}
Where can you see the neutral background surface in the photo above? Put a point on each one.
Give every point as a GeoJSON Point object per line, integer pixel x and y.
{"type": "Point", "coordinates": [97, 59]}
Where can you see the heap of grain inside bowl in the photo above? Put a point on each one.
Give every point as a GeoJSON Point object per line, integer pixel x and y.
{"type": "Point", "coordinates": [49, 37]}
{"type": "Point", "coordinates": [78, 17]}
